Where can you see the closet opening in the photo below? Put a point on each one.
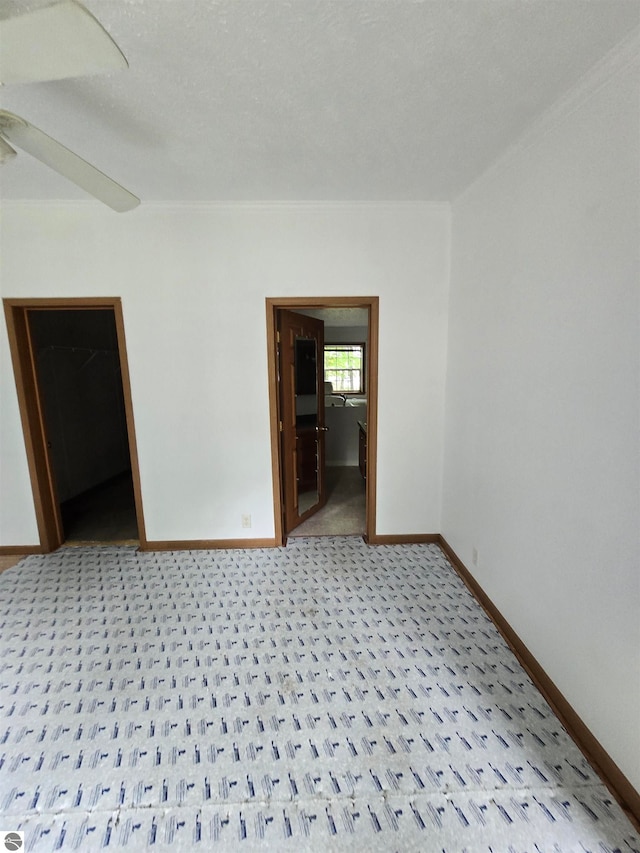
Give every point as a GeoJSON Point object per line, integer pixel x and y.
{"type": "Point", "coordinates": [73, 388]}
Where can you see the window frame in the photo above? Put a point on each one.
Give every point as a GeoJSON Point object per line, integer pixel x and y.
{"type": "Point", "coordinates": [363, 383]}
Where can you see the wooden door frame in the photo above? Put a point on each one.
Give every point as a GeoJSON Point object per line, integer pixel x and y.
{"type": "Point", "coordinates": [293, 303]}
{"type": "Point", "coordinates": [46, 503]}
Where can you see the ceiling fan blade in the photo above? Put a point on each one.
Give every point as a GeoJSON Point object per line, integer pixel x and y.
{"type": "Point", "coordinates": [54, 42]}
{"type": "Point", "coordinates": [6, 151]}
{"type": "Point", "coordinates": [24, 135]}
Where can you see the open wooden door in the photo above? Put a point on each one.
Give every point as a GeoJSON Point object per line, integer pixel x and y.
{"type": "Point", "coordinates": [302, 424]}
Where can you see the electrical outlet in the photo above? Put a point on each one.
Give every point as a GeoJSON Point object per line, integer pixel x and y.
{"type": "Point", "coordinates": [246, 520]}
{"type": "Point", "coordinates": [475, 556]}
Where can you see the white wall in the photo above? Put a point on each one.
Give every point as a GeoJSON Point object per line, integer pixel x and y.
{"type": "Point", "coordinates": [193, 280]}
{"type": "Point", "coordinates": [345, 334]}
{"type": "Point", "coordinates": [542, 434]}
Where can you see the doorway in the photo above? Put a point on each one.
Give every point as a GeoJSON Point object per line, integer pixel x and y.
{"type": "Point", "coordinates": [72, 378]}
{"type": "Point", "coordinates": [345, 427]}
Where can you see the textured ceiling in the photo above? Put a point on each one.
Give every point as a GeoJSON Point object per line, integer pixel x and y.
{"type": "Point", "coordinates": [312, 99]}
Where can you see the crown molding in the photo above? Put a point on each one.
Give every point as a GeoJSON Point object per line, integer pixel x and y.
{"type": "Point", "coordinates": [81, 204]}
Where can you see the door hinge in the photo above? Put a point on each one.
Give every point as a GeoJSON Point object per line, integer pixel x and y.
{"type": "Point", "coordinates": [281, 427]}
{"type": "Point", "coordinates": [278, 337]}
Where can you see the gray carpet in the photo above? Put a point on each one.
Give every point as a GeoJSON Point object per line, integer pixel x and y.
{"type": "Point", "coordinates": [345, 511]}
{"type": "Point", "coordinates": [325, 696]}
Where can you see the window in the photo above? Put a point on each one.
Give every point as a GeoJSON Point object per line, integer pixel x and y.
{"type": "Point", "coordinates": [344, 367]}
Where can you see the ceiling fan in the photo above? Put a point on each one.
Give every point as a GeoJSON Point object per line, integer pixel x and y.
{"type": "Point", "coordinates": [54, 42]}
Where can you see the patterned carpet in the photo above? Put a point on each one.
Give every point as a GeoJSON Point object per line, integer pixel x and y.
{"type": "Point", "coordinates": [326, 696]}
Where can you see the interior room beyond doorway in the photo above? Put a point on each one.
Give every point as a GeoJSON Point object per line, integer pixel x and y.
{"type": "Point", "coordinates": [346, 415]}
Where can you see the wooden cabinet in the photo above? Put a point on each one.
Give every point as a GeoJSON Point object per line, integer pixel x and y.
{"type": "Point", "coordinates": [362, 448]}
